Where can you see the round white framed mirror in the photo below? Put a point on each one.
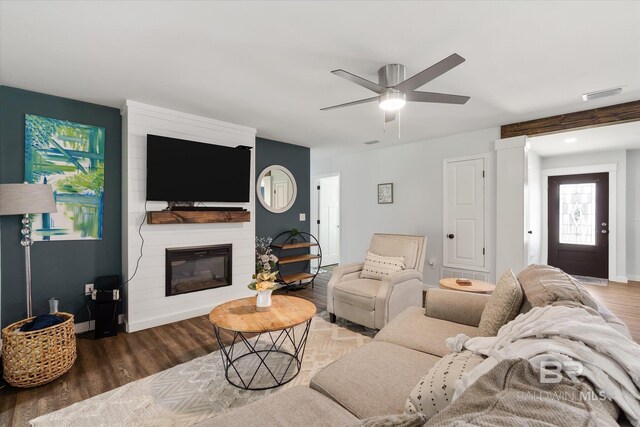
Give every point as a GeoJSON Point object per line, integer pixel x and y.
{"type": "Point", "coordinates": [276, 188]}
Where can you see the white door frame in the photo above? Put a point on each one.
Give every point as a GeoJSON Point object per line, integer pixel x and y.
{"type": "Point", "coordinates": [315, 205]}
{"type": "Point", "coordinates": [612, 169]}
{"type": "Point", "coordinates": [445, 263]}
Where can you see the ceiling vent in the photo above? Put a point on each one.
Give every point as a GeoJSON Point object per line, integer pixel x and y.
{"type": "Point", "coordinates": [590, 96]}
{"type": "Point", "coordinates": [374, 141]}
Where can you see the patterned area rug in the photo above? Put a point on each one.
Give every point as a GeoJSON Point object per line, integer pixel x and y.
{"type": "Point", "coordinates": [197, 390]}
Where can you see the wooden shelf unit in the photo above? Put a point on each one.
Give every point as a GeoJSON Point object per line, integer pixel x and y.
{"type": "Point", "coordinates": [295, 277]}
{"type": "Point", "coordinates": [297, 258]}
{"type": "Point", "coordinates": [197, 217]}
{"type": "Point", "coordinates": [297, 245]}
{"type": "Point", "coordinates": [299, 272]}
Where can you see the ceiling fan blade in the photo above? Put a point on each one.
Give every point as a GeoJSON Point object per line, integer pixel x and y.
{"type": "Point", "coordinates": [360, 81]}
{"type": "Point", "coordinates": [389, 116]}
{"type": "Point", "coordinates": [440, 98]}
{"type": "Point", "coordinates": [348, 104]}
{"type": "Point", "coordinates": [425, 76]}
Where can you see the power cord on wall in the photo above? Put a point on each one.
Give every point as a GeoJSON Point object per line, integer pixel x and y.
{"type": "Point", "coordinates": [86, 303]}
{"type": "Point", "coordinates": [144, 217]}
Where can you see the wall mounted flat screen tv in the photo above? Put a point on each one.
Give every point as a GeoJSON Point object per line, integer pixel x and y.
{"type": "Point", "coordinates": [188, 171]}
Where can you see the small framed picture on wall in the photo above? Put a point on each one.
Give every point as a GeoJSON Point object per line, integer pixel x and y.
{"type": "Point", "coordinates": [385, 193]}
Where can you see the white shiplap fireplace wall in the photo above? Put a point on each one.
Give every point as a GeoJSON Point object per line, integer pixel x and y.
{"type": "Point", "coordinates": [145, 302]}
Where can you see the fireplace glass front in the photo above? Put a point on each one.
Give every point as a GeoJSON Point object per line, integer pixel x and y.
{"type": "Point", "coordinates": [197, 269]}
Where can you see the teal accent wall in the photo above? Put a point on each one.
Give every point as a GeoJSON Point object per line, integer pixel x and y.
{"type": "Point", "coordinates": [60, 269]}
{"type": "Point", "coordinates": [298, 160]}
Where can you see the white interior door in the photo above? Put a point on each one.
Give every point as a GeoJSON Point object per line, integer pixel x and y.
{"type": "Point", "coordinates": [281, 194]}
{"type": "Point", "coordinates": [329, 217]}
{"type": "Point", "coordinates": [464, 200]}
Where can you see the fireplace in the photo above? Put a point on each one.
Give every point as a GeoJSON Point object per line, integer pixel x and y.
{"type": "Point", "coordinates": [197, 268]}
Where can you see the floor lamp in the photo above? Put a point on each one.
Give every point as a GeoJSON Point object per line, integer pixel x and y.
{"type": "Point", "coordinates": [25, 199]}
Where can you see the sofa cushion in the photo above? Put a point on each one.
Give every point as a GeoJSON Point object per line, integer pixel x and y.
{"type": "Point", "coordinates": [374, 379]}
{"type": "Point", "coordinates": [544, 285]}
{"type": "Point", "coordinates": [435, 390]}
{"type": "Point", "coordinates": [455, 306]}
{"type": "Point", "coordinates": [359, 292]}
{"type": "Point", "coordinates": [412, 329]}
{"type": "Point", "coordinates": [390, 246]}
{"type": "Point", "coordinates": [503, 305]}
{"type": "Point", "coordinates": [294, 407]}
{"type": "Point", "coordinates": [379, 266]}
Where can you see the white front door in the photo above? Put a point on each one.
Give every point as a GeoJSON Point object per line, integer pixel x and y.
{"type": "Point", "coordinates": [329, 216]}
{"type": "Point", "coordinates": [464, 198]}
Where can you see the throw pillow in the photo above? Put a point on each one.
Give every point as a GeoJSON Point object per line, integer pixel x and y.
{"type": "Point", "coordinates": [378, 266]}
{"type": "Point", "coordinates": [385, 245]}
{"type": "Point", "coordinates": [395, 420]}
{"type": "Point", "coordinates": [543, 285]}
{"type": "Point", "coordinates": [503, 305]}
{"type": "Point", "coordinates": [435, 390]}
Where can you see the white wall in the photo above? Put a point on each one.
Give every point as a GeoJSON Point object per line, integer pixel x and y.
{"type": "Point", "coordinates": [633, 215]}
{"type": "Point", "coordinates": [511, 204]}
{"type": "Point", "coordinates": [619, 157]}
{"type": "Point", "coordinates": [416, 172]}
{"type": "Point", "coordinates": [534, 192]}
{"type": "Point", "coordinates": [145, 302]}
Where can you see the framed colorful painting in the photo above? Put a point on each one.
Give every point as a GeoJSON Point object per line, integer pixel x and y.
{"type": "Point", "coordinates": [70, 157]}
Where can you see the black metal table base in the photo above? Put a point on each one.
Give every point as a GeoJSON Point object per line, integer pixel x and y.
{"type": "Point", "coordinates": [263, 364]}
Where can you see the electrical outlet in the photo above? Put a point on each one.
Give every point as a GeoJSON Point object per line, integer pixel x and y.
{"type": "Point", "coordinates": [303, 217]}
{"type": "Point", "coordinates": [88, 288]}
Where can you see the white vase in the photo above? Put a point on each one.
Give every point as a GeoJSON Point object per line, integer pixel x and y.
{"type": "Point", "coordinates": [263, 300]}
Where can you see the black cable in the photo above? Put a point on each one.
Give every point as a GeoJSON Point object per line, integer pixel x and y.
{"type": "Point", "coordinates": [69, 305]}
{"type": "Point", "coordinates": [144, 217]}
{"type": "Point", "coordinates": [86, 304]}
{"type": "Point", "coordinates": [115, 311]}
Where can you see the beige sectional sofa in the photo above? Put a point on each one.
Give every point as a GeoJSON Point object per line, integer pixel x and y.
{"type": "Point", "coordinates": [377, 378]}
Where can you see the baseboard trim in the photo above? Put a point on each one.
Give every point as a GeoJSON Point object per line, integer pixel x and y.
{"type": "Point", "coordinates": [91, 325]}
{"type": "Point", "coordinates": [183, 315]}
{"type": "Point", "coordinates": [634, 278]}
{"type": "Point", "coordinates": [622, 279]}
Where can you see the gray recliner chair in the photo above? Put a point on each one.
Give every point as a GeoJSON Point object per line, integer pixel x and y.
{"type": "Point", "coordinates": [372, 302]}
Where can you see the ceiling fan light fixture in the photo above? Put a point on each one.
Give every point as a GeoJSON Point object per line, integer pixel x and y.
{"type": "Point", "coordinates": [392, 101]}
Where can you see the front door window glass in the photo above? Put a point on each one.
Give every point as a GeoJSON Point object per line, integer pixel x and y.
{"type": "Point", "coordinates": [578, 214]}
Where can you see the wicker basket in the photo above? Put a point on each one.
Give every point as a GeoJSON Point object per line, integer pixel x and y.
{"type": "Point", "coordinates": [34, 358]}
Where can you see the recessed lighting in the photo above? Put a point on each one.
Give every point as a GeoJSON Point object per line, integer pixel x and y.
{"type": "Point", "coordinates": [570, 140]}
{"type": "Point", "coordinates": [590, 96]}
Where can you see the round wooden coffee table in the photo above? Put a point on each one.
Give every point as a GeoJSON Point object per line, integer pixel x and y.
{"type": "Point", "coordinates": [266, 347]}
{"type": "Point", "coordinates": [477, 286]}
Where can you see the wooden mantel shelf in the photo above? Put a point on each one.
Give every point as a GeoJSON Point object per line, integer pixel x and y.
{"type": "Point", "coordinates": [197, 217]}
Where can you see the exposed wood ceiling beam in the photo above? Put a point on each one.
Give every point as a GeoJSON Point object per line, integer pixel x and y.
{"type": "Point", "coordinates": [613, 114]}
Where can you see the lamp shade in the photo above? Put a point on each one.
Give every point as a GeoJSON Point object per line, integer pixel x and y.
{"type": "Point", "coordinates": [19, 199]}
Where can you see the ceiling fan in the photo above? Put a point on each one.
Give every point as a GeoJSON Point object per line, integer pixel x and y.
{"type": "Point", "coordinates": [394, 89]}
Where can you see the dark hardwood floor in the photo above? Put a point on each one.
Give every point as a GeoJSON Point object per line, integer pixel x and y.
{"type": "Point", "coordinates": [108, 363]}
